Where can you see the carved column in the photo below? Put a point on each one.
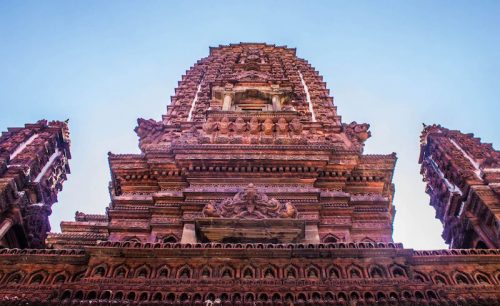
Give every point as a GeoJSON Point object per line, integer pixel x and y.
{"type": "Point", "coordinates": [312, 233]}
{"type": "Point", "coordinates": [188, 233]}
{"type": "Point", "coordinates": [5, 226]}
{"type": "Point", "coordinates": [276, 98]}
{"type": "Point", "coordinates": [228, 97]}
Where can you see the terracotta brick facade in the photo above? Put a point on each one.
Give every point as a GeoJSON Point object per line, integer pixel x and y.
{"type": "Point", "coordinates": [250, 191]}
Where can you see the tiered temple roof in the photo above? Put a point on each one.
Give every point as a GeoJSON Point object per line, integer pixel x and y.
{"type": "Point", "coordinates": [249, 191]}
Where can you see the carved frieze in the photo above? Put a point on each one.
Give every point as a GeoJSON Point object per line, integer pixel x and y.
{"type": "Point", "coordinates": [250, 204]}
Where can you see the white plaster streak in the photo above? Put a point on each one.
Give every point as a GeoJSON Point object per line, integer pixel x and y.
{"type": "Point", "coordinates": [47, 165]}
{"type": "Point", "coordinates": [308, 96]}
{"type": "Point", "coordinates": [22, 146]}
{"type": "Point", "coordinates": [194, 102]}
{"type": "Point", "coordinates": [491, 170]}
{"type": "Point", "coordinates": [472, 161]}
{"type": "Point", "coordinates": [451, 187]}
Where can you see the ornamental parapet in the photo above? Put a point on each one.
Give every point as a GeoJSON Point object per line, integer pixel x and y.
{"type": "Point", "coordinates": [350, 245]}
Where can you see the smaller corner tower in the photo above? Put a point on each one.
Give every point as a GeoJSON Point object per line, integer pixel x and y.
{"type": "Point", "coordinates": [463, 181]}
{"type": "Point", "coordinates": [33, 167]}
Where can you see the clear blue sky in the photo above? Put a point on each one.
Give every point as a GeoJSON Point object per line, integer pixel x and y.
{"type": "Point", "coordinates": [393, 64]}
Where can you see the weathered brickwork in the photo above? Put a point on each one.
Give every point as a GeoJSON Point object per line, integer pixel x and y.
{"type": "Point", "coordinates": [463, 180]}
{"type": "Point", "coordinates": [249, 191]}
{"type": "Point", "coordinates": [33, 167]}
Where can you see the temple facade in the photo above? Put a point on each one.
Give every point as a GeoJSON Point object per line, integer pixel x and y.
{"type": "Point", "coordinates": [33, 167]}
{"type": "Point", "coordinates": [463, 181]}
{"type": "Point", "coordinates": [250, 191]}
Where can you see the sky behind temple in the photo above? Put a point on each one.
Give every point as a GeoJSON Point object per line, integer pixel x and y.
{"type": "Point", "coordinates": [392, 64]}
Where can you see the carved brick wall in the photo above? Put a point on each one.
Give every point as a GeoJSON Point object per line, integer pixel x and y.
{"type": "Point", "coordinates": [33, 167]}
{"type": "Point", "coordinates": [463, 181]}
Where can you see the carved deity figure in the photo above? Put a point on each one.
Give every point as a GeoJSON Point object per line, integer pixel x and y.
{"type": "Point", "coordinates": [359, 131]}
{"type": "Point", "coordinates": [290, 211]}
{"type": "Point", "coordinates": [254, 126]}
{"type": "Point", "coordinates": [210, 126]}
{"type": "Point", "coordinates": [240, 126]}
{"type": "Point", "coordinates": [282, 127]}
{"type": "Point", "coordinates": [224, 125]}
{"type": "Point", "coordinates": [296, 127]}
{"type": "Point", "coordinates": [250, 204]}
{"type": "Point", "coordinates": [268, 126]}
{"type": "Point", "coordinates": [210, 210]}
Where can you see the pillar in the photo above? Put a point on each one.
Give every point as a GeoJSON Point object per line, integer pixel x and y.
{"type": "Point", "coordinates": [188, 233]}
{"type": "Point", "coordinates": [227, 102]}
{"type": "Point", "coordinates": [312, 233]}
{"type": "Point", "coordinates": [5, 226]}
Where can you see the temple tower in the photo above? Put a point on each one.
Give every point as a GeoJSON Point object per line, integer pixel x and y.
{"type": "Point", "coordinates": [33, 167]}
{"type": "Point", "coordinates": [247, 114]}
{"type": "Point", "coordinates": [249, 191]}
{"type": "Point", "coordinates": [463, 181]}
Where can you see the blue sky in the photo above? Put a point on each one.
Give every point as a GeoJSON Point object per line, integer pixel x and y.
{"type": "Point", "coordinates": [393, 64]}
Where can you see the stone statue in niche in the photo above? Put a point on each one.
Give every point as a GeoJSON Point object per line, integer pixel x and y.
{"type": "Point", "coordinates": [224, 126]}
{"type": "Point", "coordinates": [250, 204]}
{"type": "Point", "coordinates": [268, 126]}
{"type": "Point", "coordinates": [282, 127]}
{"type": "Point", "coordinates": [254, 126]}
{"type": "Point", "coordinates": [296, 127]}
{"type": "Point", "coordinates": [209, 126]}
{"type": "Point", "coordinates": [240, 126]}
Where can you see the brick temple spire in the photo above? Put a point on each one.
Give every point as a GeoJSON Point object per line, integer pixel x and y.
{"type": "Point", "coordinates": [33, 167]}
{"type": "Point", "coordinates": [463, 181]}
{"type": "Point", "coordinates": [250, 191]}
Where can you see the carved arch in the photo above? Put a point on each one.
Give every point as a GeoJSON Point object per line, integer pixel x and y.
{"type": "Point", "coordinates": [206, 272]}
{"type": "Point", "coordinates": [100, 270]}
{"type": "Point", "coordinates": [313, 271]}
{"type": "Point", "coordinates": [368, 240]}
{"type": "Point", "coordinates": [421, 277]}
{"type": "Point", "coordinates": [398, 271]}
{"type": "Point", "coordinates": [15, 277]}
{"type": "Point", "coordinates": [269, 271]}
{"type": "Point", "coordinates": [482, 278]}
{"type": "Point", "coordinates": [355, 271]}
{"type": "Point", "coordinates": [163, 271]}
{"type": "Point", "coordinates": [334, 272]}
{"type": "Point", "coordinates": [185, 272]}
{"type": "Point", "coordinates": [143, 271]}
{"type": "Point", "coordinates": [121, 271]}
{"type": "Point", "coordinates": [169, 238]}
{"type": "Point", "coordinates": [377, 271]}
{"type": "Point", "coordinates": [330, 238]}
{"type": "Point", "coordinates": [461, 278]}
{"type": "Point", "coordinates": [226, 272]}
{"type": "Point", "coordinates": [440, 278]}
{"type": "Point", "coordinates": [38, 277]}
{"type": "Point", "coordinates": [291, 272]}
{"type": "Point", "coordinates": [248, 272]}
{"type": "Point", "coordinates": [60, 277]}
{"type": "Point", "coordinates": [132, 239]}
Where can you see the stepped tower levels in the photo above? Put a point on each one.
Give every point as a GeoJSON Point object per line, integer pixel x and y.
{"type": "Point", "coordinates": [247, 114]}
{"type": "Point", "coordinates": [33, 167]}
{"type": "Point", "coordinates": [249, 191]}
{"type": "Point", "coordinates": [463, 181]}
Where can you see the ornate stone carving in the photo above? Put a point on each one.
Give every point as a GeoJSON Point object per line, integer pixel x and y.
{"type": "Point", "coordinates": [250, 204]}
{"type": "Point", "coordinates": [268, 126]}
{"type": "Point", "coordinates": [282, 127]}
{"type": "Point", "coordinates": [357, 133]}
{"type": "Point", "coordinates": [296, 127]}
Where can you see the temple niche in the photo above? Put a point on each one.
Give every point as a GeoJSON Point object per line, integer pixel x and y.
{"type": "Point", "coordinates": [251, 190]}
